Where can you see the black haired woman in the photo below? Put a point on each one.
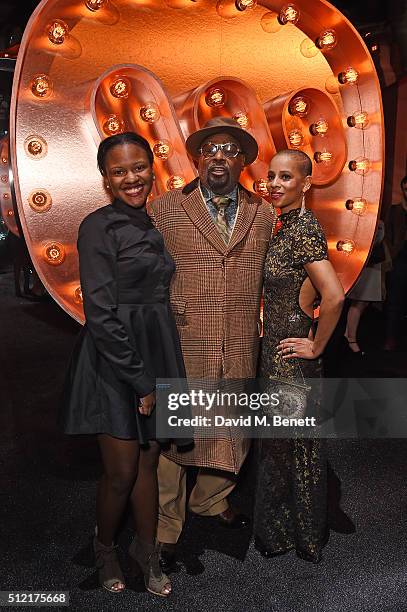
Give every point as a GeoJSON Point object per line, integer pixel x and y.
{"type": "Point", "coordinates": [129, 339]}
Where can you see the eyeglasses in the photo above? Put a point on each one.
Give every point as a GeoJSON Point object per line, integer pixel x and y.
{"type": "Point", "coordinates": [229, 149]}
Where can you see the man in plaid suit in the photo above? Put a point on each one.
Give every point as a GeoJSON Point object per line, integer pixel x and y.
{"type": "Point", "coordinates": [218, 234]}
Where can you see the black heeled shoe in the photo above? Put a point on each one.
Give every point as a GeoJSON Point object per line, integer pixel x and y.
{"type": "Point", "coordinates": [358, 353]}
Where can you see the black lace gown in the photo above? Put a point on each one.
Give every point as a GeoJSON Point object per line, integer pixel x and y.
{"type": "Point", "coordinates": [291, 500]}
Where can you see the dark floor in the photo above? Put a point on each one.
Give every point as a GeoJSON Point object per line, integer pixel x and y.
{"type": "Point", "coordinates": [48, 484]}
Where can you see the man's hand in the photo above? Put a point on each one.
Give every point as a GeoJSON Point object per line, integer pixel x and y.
{"type": "Point", "coordinates": [146, 404]}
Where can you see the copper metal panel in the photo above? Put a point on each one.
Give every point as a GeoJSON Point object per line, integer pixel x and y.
{"type": "Point", "coordinates": [185, 48]}
{"type": "Point", "coordinates": [321, 106]}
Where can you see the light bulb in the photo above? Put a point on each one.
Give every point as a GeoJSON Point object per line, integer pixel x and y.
{"type": "Point", "coordinates": [77, 296]}
{"type": "Point", "coordinates": [290, 13]}
{"type": "Point", "coordinates": [5, 196]}
{"type": "Point", "coordinates": [175, 182]}
{"type": "Point", "coordinates": [319, 128]}
{"type": "Point", "coordinates": [358, 206]}
{"type": "Point", "coordinates": [242, 119]}
{"type": "Point", "coordinates": [229, 9]}
{"type": "Point", "coordinates": [40, 200]}
{"type": "Point", "coordinates": [296, 138]}
{"type": "Point", "coordinates": [120, 88]}
{"type": "Point", "coordinates": [215, 97]}
{"type": "Point", "coordinates": [4, 178]}
{"type": "Point", "coordinates": [327, 40]}
{"type": "Point", "coordinates": [150, 112]}
{"type": "Point", "coordinates": [57, 32]}
{"type": "Point", "coordinates": [361, 165]}
{"type": "Point", "coordinates": [4, 160]}
{"type": "Point", "coordinates": [41, 86]}
{"type": "Point", "coordinates": [299, 106]}
{"type": "Point", "coordinates": [162, 149]}
{"type": "Point", "coordinates": [359, 120]}
{"type": "Point", "coordinates": [54, 253]}
{"type": "Point", "coordinates": [270, 23]}
{"type": "Point", "coordinates": [349, 76]}
{"type": "Point", "coordinates": [260, 187]}
{"type": "Point", "coordinates": [242, 5]}
{"type": "Point", "coordinates": [346, 246]}
{"type": "Point", "coordinates": [113, 125]}
{"type": "Point", "coordinates": [94, 5]}
{"type": "Point", "coordinates": [35, 147]}
{"type": "Point", "coordinates": [324, 157]}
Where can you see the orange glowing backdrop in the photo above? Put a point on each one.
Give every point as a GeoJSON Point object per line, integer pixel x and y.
{"type": "Point", "coordinates": [295, 75]}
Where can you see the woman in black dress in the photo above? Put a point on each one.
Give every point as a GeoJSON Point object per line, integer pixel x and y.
{"type": "Point", "coordinates": [129, 339]}
{"type": "Point", "coordinates": [291, 505]}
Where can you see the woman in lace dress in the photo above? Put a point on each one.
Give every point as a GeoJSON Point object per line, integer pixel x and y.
{"type": "Point", "coordinates": [291, 506]}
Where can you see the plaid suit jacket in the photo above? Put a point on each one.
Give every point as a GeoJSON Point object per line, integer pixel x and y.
{"type": "Point", "coordinates": [215, 297]}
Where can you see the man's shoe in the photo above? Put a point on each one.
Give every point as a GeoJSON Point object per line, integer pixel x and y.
{"type": "Point", "coordinates": [232, 520]}
{"type": "Point", "coordinates": [167, 556]}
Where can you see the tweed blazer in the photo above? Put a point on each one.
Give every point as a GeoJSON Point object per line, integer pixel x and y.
{"type": "Point", "coordinates": [215, 296]}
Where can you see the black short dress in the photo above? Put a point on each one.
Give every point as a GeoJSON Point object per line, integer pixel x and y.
{"type": "Point", "coordinates": [130, 337]}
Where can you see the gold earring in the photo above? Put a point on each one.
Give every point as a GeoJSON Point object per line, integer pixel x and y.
{"type": "Point", "coordinates": [303, 209]}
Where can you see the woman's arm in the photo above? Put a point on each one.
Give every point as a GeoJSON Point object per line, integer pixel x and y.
{"type": "Point", "coordinates": [326, 283]}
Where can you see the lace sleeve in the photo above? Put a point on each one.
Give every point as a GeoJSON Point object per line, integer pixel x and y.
{"type": "Point", "coordinates": [309, 243]}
